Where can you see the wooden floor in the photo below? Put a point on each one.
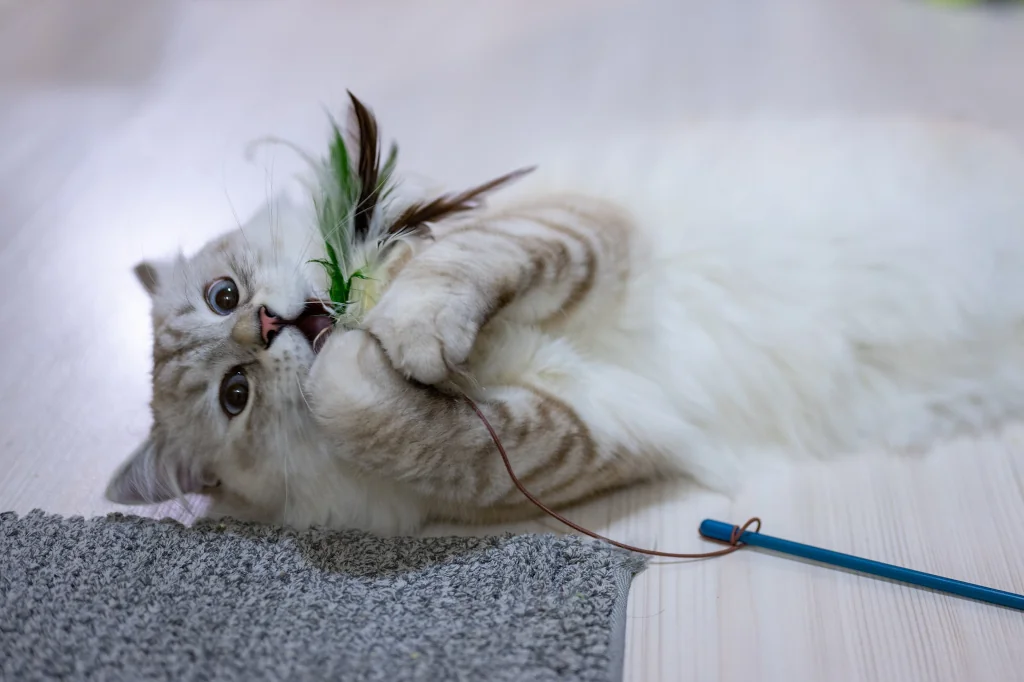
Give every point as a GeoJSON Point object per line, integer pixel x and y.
{"type": "Point", "coordinates": [122, 126]}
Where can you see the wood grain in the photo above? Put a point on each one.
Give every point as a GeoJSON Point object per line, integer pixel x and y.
{"type": "Point", "coordinates": [122, 127]}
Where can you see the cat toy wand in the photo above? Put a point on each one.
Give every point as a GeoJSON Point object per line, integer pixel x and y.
{"type": "Point", "coordinates": [348, 194]}
{"type": "Point", "coordinates": [726, 532]}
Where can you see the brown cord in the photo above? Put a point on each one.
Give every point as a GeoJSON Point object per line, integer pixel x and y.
{"type": "Point", "coordinates": [734, 540]}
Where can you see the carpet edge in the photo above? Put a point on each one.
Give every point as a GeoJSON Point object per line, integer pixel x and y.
{"type": "Point", "coordinates": [617, 657]}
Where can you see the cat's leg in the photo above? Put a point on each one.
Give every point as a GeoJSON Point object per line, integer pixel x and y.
{"type": "Point", "coordinates": [568, 436]}
{"type": "Point", "coordinates": [540, 263]}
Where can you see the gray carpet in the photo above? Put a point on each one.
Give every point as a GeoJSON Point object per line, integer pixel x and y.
{"type": "Point", "coordinates": [124, 598]}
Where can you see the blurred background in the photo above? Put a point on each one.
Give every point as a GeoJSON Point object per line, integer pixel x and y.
{"type": "Point", "coordinates": [123, 125]}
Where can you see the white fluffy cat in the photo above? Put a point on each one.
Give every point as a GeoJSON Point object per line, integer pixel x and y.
{"type": "Point", "coordinates": [702, 297]}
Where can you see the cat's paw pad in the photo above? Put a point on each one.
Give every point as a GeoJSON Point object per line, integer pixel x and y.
{"type": "Point", "coordinates": [426, 336]}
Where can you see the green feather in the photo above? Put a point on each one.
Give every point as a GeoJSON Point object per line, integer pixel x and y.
{"type": "Point", "coordinates": [353, 258]}
{"type": "Point", "coordinates": [335, 202]}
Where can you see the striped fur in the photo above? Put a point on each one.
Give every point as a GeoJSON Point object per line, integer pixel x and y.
{"type": "Point", "coordinates": [534, 268]}
{"type": "Point", "coordinates": [800, 291]}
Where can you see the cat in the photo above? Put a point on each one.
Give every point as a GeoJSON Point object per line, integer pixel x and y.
{"type": "Point", "coordinates": [682, 304]}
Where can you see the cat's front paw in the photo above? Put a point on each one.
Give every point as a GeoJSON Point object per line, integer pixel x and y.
{"type": "Point", "coordinates": [427, 331]}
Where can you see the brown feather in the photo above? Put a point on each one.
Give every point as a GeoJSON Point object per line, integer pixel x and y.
{"type": "Point", "coordinates": [368, 167]}
{"type": "Point", "coordinates": [419, 214]}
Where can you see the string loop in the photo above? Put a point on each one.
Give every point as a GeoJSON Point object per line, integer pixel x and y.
{"type": "Point", "coordinates": [734, 539]}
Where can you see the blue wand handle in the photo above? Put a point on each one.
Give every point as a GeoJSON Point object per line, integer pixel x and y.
{"type": "Point", "coordinates": [717, 530]}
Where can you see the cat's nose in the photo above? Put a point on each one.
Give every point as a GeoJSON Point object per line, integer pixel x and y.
{"type": "Point", "coordinates": [270, 325]}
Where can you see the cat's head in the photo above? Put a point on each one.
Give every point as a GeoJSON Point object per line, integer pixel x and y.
{"type": "Point", "coordinates": [228, 403]}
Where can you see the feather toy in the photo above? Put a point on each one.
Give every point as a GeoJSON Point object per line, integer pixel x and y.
{"type": "Point", "coordinates": [359, 219]}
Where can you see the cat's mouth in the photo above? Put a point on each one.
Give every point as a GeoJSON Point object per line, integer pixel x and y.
{"type": "Point", "coordinates": [315, 323]}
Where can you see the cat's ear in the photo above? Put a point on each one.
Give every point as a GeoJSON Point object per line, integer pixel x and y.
{"type": "Point", "coordinates": [151, 475]}
{"type": "Point", "coordinates": [150, 275]}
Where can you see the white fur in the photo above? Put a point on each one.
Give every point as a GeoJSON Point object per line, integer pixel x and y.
{"type": "Point", "coordinates": [810, 289]}
{"type": "Point", "coordinates": [797, 290]}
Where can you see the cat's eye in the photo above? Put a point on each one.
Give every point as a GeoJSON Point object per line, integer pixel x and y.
{"type": "Point", "coordinates": [222, 295]}
{"type": "Point", "coordinates": [234, 392]}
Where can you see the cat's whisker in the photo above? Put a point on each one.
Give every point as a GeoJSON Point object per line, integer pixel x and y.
{"type": "Point", "coordinates": [178, 497]}
{"type": "Point", "coordinates": [285, 451]}
{"type": "Point", "coordinates": [275, 226]}
{"type": "Point", "coordinates": [271, 207]}
{"type": "Point", "coordinates": [267, 140]}
{"type": "Point", "coordinates": [187, 506]}
{"type": "Point", "coordinates": [302, 261]}
{"type": "Point", "coordinates": [302, 392]}
{"type": "Point", "coordinates": [234, 212]}
{"type": "Point", "coordinates": [316, 340]}
{"type": "Point", "coordinates": [189, 272]}
{"type": "Point", "coordinates": [315, 236]}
